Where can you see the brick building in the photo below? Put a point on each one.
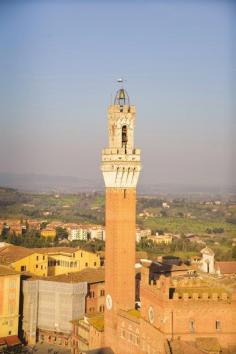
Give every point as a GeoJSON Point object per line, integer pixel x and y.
{"type": "Point", "coordinates": [181, 311]}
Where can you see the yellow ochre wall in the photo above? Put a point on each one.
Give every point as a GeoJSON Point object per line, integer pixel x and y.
{"type": "Point", "coordinates": [61, 263]}
{"type": "Point", "coordinates": [9, 304]}
{"type": "Point", "coordinates": [48, 233]}
{"type": "Point", "coordinates": [35, 263]}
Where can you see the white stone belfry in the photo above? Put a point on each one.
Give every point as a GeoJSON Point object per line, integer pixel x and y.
{"type": "Point", "coordinates": [207, 264]}
{"type": "Point", "coordinates": [121, 161]}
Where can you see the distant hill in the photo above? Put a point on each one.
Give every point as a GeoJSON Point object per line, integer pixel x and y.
{"type": "Point", "coordinates": [186, 189]}
{"type": "Point", "coordinates": [67, 184]}
{"type": "Point", "coordinates": [43, 183]}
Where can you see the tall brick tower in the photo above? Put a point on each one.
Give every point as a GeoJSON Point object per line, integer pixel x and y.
{"type": "Point", "coordinates": [120, 168]}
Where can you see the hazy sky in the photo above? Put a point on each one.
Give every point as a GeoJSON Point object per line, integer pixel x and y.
{"type": "Point", "coordinates": [59, 61]}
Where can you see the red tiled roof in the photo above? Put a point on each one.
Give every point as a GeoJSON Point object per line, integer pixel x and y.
{"type": "Point", "coordinates": [11, 253]}
{"type": "Point", "coordinates": [4, 270]}
{"type": "Point", "coordinates": [226, 267]}
{"type": "Point", "coordinates": [89, 275]}
{"type": "Point", "coordinates": [10, 341]}
{"type": "Point", "coordinates": [181, 347]}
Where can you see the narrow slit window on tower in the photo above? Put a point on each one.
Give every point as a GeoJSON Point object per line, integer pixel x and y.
{"type": "Point", "coordinates": [124, 136]}
{"type": "Point", "coordinates": [218, 325]}
{"type": "Point", "coordinates": [124, 193]}
{"type": "Point", "coordinates": [192, 326]}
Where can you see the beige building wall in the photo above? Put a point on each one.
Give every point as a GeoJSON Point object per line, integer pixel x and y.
{"type": "Point", "coordinates": [9, 302]}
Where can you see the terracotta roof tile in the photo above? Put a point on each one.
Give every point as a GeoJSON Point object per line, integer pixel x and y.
{"type": "Point", "coordinates": [89, 275]}
{"type": "Point", "coordinates": [208, 344]}
{"type": "Point", "coordinates": [226, 267]}
{"type": "Point", "coordinates": [180, 347]}
{"type": "Point", "coordinates": [4, 270]}
{"type": "Point", "coordinates": [10, 253]}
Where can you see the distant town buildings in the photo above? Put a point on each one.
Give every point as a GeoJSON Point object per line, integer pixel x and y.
{"type": "Point", "coordinates": [48, 232]}
{"type": "Point", "coordinates": [75, 231]}
{"type": "Point", "coordinates": [85, 232]}
{"type": "Point", "coordinates": [142, 233]}
{"type": "Point", "coordinates": [166, 238]}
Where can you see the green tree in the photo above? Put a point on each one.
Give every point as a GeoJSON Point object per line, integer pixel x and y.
{"type": "Point", "coordinates": [61, 233]}
{"type": "Point", "coordinates": [12, 238]}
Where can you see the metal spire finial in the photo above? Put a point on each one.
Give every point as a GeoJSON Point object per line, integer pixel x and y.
{"type": "Point", "coordinates": [121, 80]}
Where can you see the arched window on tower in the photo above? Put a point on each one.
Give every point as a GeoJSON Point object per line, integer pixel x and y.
{"type": "Point", "coordinates": [124, 136]}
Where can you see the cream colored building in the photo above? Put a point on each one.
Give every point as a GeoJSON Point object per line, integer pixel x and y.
{"type": "Point", "coordinates": [9, 301]}
{"type": "Point", "coordinates": [166, 238]}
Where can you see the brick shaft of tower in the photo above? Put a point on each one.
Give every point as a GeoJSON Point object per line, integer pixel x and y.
{"type": "Point", "coordinates": [120, 168]}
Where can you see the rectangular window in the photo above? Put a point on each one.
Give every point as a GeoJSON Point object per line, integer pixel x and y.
{"type": "Point", "coordinates": [192, 326]}
{"type": "Point", "coordinates": [23, 268]}
{"type": "Point", "coordinates": [218, 325]}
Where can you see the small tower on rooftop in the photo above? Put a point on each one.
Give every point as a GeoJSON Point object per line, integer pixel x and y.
{"type": "Point", "coordinates": [208, 261]}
